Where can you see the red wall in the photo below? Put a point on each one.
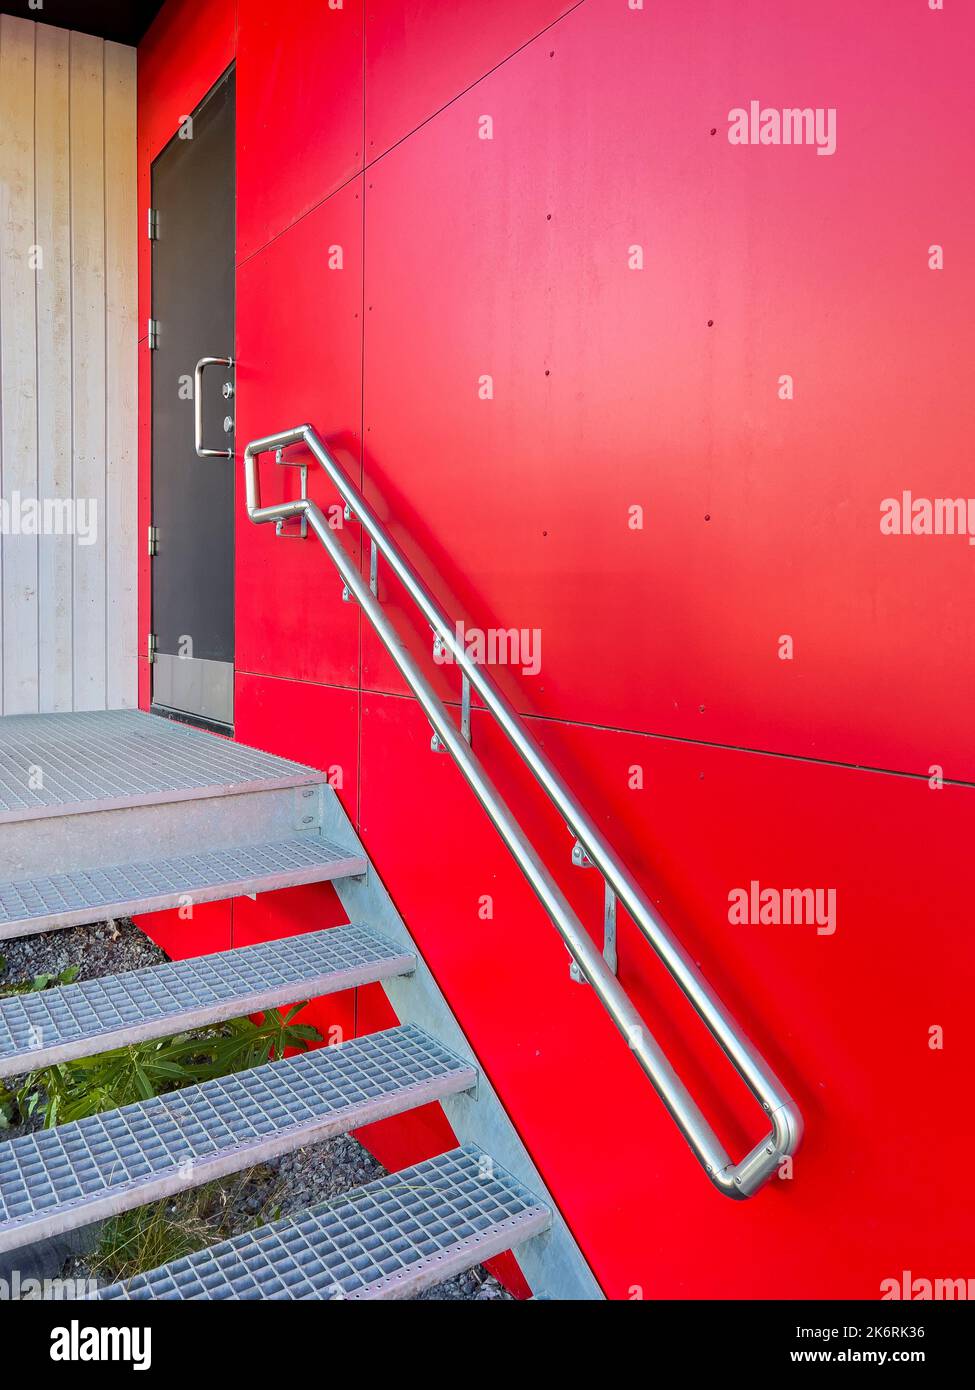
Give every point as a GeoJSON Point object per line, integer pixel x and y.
{"type": "Point", "coordinates": [616, 387]}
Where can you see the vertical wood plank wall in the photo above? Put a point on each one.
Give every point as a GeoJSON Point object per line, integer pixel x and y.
{"type": "Point", "coordinates": [68, 382]}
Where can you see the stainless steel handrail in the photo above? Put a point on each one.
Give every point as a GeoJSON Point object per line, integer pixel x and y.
{"type": "Point", "coordinates": [738, 1180]}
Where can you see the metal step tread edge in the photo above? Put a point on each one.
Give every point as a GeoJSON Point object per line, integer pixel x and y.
{"type": "Point", "coordinates": [99, 759]}
{"type": "Point", "coordinates": [386, 1240]}
{"type": "Point", "coordinates": [58, 1025]}
{"type": "Point", "coordinates": [68, 899]}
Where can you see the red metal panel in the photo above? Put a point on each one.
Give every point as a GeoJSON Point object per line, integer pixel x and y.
{"type": "Point", "coordinates": [298, 359]}
{"type": "Point", "coordinates": [510, 257]}
{"type": "Point", "coordinates": [145, 683]}
{"type": "Point", "coordinates": [845, 1018]}
{"type": "Point", "coordinates": [190, 43]}
{"type": "Point", "coordinates": [288, 912]}
{"type": "Point", "coordinates": [206, 931]}
{"type": "Point", "coordinates": [614, 387]}
{"type": "Point", "coordinates": [420, 54]}
{"type": "Point", "coordinates": [144, 565]}
{"type": "Point", "coordinates": [314, 724]}
{"type": "Point", "coordinates": [144, 250]}
{"type": "Point", "coordinates": [299, 125]}
{"type": "Point", "coordinates": [188, 46]}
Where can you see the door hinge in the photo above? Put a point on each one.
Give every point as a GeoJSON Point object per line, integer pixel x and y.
{"type": "Point", "coordinates": [153, 540]}
{"type": "Point", "coordinates": [153, 227]}
{"type": "Point", "coordinates": [151, 648]}
{"type": "Point", "coordinates": [153, 333]}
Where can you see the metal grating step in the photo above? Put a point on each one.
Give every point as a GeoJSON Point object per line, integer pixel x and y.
{"type": "Point", "coordinates": [387, 1240]}
{"type": "Point", "coordinates": [57, 1179]}
{"type": "Point", "coordinates": [79, 1020]}
{"type": "Point", "coordinates": [60, 764]}
{"type": "Point", "coordinates": [45, 903]}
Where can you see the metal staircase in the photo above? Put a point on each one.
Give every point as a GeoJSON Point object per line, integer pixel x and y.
{"type": "Point", "coordinates": [117, 813]}
{"type": "Point", "coordinates": [84, 801]}
{"type": "Point", "coordinates": [120, 812]}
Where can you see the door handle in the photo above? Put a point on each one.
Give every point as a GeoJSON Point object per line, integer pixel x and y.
{"type": "Point", "coordinates": [203, 363]}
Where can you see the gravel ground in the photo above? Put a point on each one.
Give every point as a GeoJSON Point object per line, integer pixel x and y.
{"type": "Point", "coordinates": [289, 1184]}
{"type": "Point", "coordinates": [105, 949]}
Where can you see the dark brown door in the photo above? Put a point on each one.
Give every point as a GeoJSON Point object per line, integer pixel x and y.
{"type": "Point", "coordinates": [193, 497]}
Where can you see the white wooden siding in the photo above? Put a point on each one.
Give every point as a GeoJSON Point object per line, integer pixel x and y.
{"type": "Point", "coordinates": [68, 374]}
